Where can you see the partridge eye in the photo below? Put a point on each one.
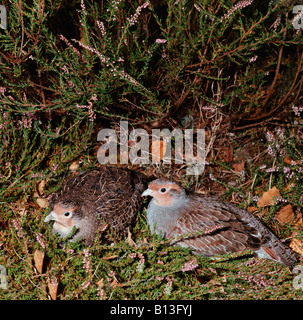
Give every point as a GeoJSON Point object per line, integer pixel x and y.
{"type": "Point", "coordinates": [162, 190]}
{"type": "Point", "coordinates": [67, 214]}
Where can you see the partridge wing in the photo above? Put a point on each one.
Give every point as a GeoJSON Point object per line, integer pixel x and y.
{"type": "Point", "coordinates": [222, 231]}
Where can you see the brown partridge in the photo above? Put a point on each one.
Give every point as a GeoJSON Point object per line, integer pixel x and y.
{"type": "Point", "coordinates": [217, 227]}
{"type": "Point", "coordinates": [89, 201]}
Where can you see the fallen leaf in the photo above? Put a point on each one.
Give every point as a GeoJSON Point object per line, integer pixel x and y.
{"type": "Point", "coordinates": [290, 161]}
{"type": "Point", "coordinates": [296, 245]}
{"type": "Point", "coordinates": [129, 239]}
{"type": "Point", "coordinates": [38, 259]}
{"type": "Point", "coordinates": [42, 202]}
{"type": "Point", "coordinates": [252, 209]}
{"type": "Point", "coordinates": [226, 154]}
{"type": "Point", "coordinates": [53, 288]}
{"type": "Point", "coordinates": [289, 187]}
{"type": "Point", "coordinates": [74, 166]}
{"type": "Point", "coordinates": [100, 283]}
{"type": "Point", "coordinates": [39, 189]}
{"type": "Point", "coordinates": [285, 215]}
{"type": "Point", "coordinates": [238, 167]}
{"type": "Point", "coordinates": [158, 150]}
{"type": "Point", "coordinates": [298, 222]}
{"type": "Point", "coordinates": [114, 283]}
{"type": "Point", "coordinates": [269, 198]}
{"type": "Point", "coordinates": [110, 257]}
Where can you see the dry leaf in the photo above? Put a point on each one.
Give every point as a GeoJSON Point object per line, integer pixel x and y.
{"type": "Point", "coordinates": [285, 215]}
{"type": "Point", "coordinates": [38, 259]}
{"type": "Point", "coordinates": [39, 189]}
{"type": "Point", "coordinates": [158, 150]}
{"type": "Point", "coordinates": [226, 154]}
{"type": "Point", "coordinates": [296, 245]}
{"type": "Point", "coordinates": [42, 202]}
{"type": "Point", "coordinates": [110, 257]}
{"type": "Point", "coordinates": [290, 161]}
{"type": "Point", "coordinates": [289, 187]}
{"type": "Point", "coordinates": [298, 222]}
{"type": "Point", "coordinates": [74, 166]}
{"type": "Point", "coordinates": [129, 239]}
{"type": "Point", "coordinates": [114, 283]}
{"type": "Point", "coordinates": [21, 208]}
{"type": "Point", "coordinates": [252, 209]}
{"type": "Point", "coordinates": [53, 288]}
{"type": "Point", "coordinates": [269, 198]}
{"type": "Point", "coordinates": [100, 283]}
{"type": "Point", "coordinates": [238, 167]}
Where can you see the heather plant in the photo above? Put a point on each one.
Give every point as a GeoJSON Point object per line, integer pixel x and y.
{"type": "Point", "coordinates": [69, 69]}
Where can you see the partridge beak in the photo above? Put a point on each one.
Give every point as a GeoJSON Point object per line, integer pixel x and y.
{"type": "Point", "coordinates": [50, 217]}
{"type": "Point", "coordinates": [147, 192]}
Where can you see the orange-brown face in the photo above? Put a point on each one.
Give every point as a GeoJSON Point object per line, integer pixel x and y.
{"type": "Point", "coordinates": [164, 192]}
{"type": "Point", "coordinates": [63, 219]}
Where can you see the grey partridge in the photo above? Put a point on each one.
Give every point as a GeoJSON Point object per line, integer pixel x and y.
{"type": "Point", "coordinates": [89, 201]}
{"type": "Point", "coordinates": [217, 227]}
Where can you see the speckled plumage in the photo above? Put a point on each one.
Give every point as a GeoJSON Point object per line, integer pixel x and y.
{"type": "Point", "coordinates": [108, 195]}
{"type": "Point", "coordinates": [225, 227]}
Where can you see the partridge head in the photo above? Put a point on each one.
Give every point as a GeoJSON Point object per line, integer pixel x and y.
{"type": "Point", "coordinates": [90, 201]}
{"type": "Point", "coordinates": [71, 218]}
{"type": "Point", "coordinates": [217, 227]}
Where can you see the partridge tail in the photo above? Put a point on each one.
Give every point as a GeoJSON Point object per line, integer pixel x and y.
{"type": "Point", "coordinates": [277, 251]}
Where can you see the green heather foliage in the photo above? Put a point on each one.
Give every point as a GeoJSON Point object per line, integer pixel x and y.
{"type": "Point", "coordinates": [70, 68]}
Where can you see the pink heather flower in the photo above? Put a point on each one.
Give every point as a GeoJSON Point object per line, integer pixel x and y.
{"type": "Point", "coordinates": [273, 169]}
{"type": "Point", "coordinates": [17, 226]}
{"type": "Point", "coordinates": [2, 90]}
{"type": "Point", "coordinates": [240, 5]}
{"type": "Point", "coordinates": [94, 97]}
{"type": "Point", "coordinates": [255, 198]}
{"type": "Point", "coordinates": [211, 108]}
{"type": "Point", "coordinates": [83, 7]}
{"type": "Point", "coordinates": [65, 69]}
{"type": "Point", "coordinates": [133, 19]}
{"type": "Point", "coordinates": [93, 50]}
{"type": "Point", "coordinates": [161, 41]}
{"type": "Point", "coordinates": [211, 177]}
{"type": "Point", "coordinates": [86, 260]}
{"type": "Point", "coordinates": [76, 51]}
{"type": "Point", "coordinates": [197, 7]}
{"type": "Point", "coordinates": [259, 280]}
{"type": "Point", "coordinates": [85, 284]}
{"type": "Point", "coordinates": [71, 84]}
{"type": "Point", "coordinates": [54, 167]}
{"type": "Point", "coordinates": [270, 151]}
{"type": "Point", "coordinates": [280, 133]}
{"type": "Point", "coordinates": [296, 110]}
{"type": "Point", "coordinates": [71, 251]}
{"type": "Point", "coordinates": [101, 27]}
{"type": "Point", "coordinates": [91, 113]}
{"type": "Point", "coordinates": [132, 255]}
{"type": "Point", "coordinates": [40, 240]}
{"type": "Point", "coordinates": [112, 274]}
{"type": "Point", "coordinates": [269, 136]}
{"type": "Point", "coordinates": [276, 23]}
{"type": "Point", "coordinates": [189, 266]}
{"type": "Point", "coordinates": [100, 294]}
{"type": "Point", "coordinates": [253, 59]}
{"type": "Point", "coordinates": [102, 228]}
